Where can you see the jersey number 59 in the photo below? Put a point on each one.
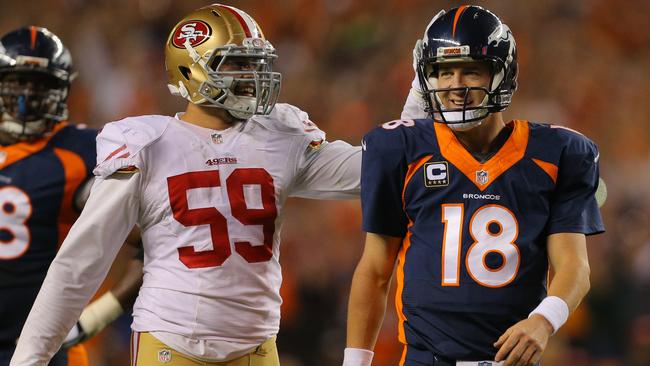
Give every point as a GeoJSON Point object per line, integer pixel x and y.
{"type": "Point", "coordinates": [179, 185]}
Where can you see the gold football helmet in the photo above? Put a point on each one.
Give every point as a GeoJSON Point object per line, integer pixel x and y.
{"type": "Point", "coordinates": [218, 56]}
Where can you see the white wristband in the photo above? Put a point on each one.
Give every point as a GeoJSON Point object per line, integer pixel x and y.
{"type": "Point", "coordinates": [554, 309]}
{"type": "Point", "coordinates": [357, 357]}
{"type": "Point", "coordinates": [100, 313]}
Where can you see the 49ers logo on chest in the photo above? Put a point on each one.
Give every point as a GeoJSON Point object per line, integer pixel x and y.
{"type": "Point", "coordinates": [194, 31]}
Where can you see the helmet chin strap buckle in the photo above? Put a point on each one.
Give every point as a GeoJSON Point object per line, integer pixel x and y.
{"type": "Point", "coordinates": [178, 90]}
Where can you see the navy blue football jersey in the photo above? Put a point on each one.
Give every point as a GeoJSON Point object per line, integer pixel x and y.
{"type": "Point", "coordinates": [38, 181]}
{"type": "Point", "coordinates": [473, 259]}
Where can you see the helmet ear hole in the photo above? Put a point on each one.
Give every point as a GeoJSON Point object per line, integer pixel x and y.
{"type": "Point", "coordinates": [215, 13]}
{"type": "Point", "coordinates": [185, 71]}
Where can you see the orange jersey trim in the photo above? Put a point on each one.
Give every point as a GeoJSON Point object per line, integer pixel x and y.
{"type": "Point", "coordinates": [18, 151]}
{"type": "Point", "coordinates": [78, 356]}
{"type": "Point", "coordinates": [549, 168]}
{"type": "Point", "coordinates": [402, 359]}
{"type": "Point", "coordinates": [406, 243]}
{"type": "Point", "coordinates": [509, 154]}
{"type": "Point", "coordinates": [413, 167]}
{"type": "Point", "coordinates": [456, 17]}
{"type": "Point", "coordinates": [75, 174]}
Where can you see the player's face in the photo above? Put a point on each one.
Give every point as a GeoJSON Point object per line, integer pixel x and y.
{"type": "Point", "coordinates": [27, 101]}
{"type": "Point", "coordinates": [24, 96]}
{"type": "Point", "coordinates": [246, 65]}
{"type": "Point", "coordinates": [465, 76]}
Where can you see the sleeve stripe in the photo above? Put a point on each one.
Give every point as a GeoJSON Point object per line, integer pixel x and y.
{"type": "Point", "coordinates": [413, 167]}
{"type": "Point", "coordinates": [119, 149]}
{"type": "Point", "coordinates": [549, 168]}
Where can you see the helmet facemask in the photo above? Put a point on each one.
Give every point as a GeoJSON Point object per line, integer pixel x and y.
{"type": "Point", "coordinates": [31, 103]}
{"type": "Point", "coordinates": [239, 79]}
{"type": "Point", "coordinates": [465, 116]}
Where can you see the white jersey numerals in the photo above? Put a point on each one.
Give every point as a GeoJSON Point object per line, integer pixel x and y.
{"type": "Point", "coordinates": [494, 230]}
{"type": "Point", "coordinates": [235, 184]}
{"type": "Point", "coordinates": [15, 209]}
{"type": "Point", "coordinates": [400, 122]}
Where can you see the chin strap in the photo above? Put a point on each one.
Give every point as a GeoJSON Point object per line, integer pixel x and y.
{"type": "Point", "coordinates": [240, 107]}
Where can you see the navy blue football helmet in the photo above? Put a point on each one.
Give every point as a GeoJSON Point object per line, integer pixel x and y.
{"type": "Point", "coordinates": [467, 34]}
{"type": "Point", "coordinates": [35, 76]}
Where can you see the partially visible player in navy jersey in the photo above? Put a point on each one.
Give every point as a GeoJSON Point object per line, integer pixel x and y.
{"type": "Point", "coordinates": [474, 210]}
{"type": "Point", "coordinates": [45, 174]}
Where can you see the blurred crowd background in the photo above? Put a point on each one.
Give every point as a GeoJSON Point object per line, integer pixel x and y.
{"type": "Point", "coordinates": [584, 64]}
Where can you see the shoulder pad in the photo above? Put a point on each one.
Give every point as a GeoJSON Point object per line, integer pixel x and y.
{"type": "Point", "coordinates": [291, 120]}
{"type": "Point", "coordinates": [549, 142]}
{"type": "Point", "coordinates": [119, 143]}
{"type": "Point", "coordinates": [394, 133]}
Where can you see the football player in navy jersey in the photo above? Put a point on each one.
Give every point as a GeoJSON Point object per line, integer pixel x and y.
{"type": "Point", "coordinates": [474, 210]}
{"type": "Point", "coordinates": [45, 175]}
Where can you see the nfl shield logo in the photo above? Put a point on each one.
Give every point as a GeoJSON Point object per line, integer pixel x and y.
{"type": "Point", "coordinates": [482, 178]}
{"type": "Point", "coordinates": [484, 363]}
{"type": "Point", "coordinates": [164, 356]}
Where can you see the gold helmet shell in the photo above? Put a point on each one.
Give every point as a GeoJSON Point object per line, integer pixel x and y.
{"type": "Point", "coordinates": [197, 49]}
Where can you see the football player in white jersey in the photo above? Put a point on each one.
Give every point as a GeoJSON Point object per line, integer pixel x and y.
{"type": "Point", "coordinates": [207, 188]}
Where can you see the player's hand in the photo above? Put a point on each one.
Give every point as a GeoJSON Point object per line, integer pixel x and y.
{"type": "Point", "coordinates": [523, 343]}
{"type": "Point", "coordinates": [75, 336]}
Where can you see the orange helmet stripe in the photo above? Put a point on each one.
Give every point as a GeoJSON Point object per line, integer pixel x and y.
{"type": "Point", "coordinates": [34, 33]}
{"type": "Point", "coordinates": [458, 13]}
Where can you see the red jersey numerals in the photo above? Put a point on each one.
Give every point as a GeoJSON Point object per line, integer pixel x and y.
{"type": "Point", "coordinates": [235, 184]}
{"type": "Point", "coordinates": [264, 216]}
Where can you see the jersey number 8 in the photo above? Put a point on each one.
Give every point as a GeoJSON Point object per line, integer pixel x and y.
{"type": "Point", "coordinates": [15, 209]}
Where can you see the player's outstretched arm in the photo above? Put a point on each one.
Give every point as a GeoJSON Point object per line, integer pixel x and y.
{"type": "Point", "coordinates": [524, 342]}
{"type": "Point", "coordinates": [108, 307]}
{"type": "Point", "coordinates": [331, 172]}
{"type": "Point", "coordinates": [79, 268]}
{"type": "Point", "coordinates": [368, 295]}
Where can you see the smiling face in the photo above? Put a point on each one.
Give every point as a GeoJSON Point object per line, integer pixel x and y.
{"type": "Point", "coordinates": [242, 68]}
{"type": "Point", "coordinates": [468, 81]}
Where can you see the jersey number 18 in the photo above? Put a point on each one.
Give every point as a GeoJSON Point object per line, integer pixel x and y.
{"type": "Point", "coordinates": [494, 230]}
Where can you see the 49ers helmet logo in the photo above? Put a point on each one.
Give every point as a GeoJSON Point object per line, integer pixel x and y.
{"type": "Point", "coordinates": [194, 31]}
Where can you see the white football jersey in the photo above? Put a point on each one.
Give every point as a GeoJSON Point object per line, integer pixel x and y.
{"type": "Point", "coordinates": [211, 213]}
{"type": "Point", "coordinates": [209, 205]}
